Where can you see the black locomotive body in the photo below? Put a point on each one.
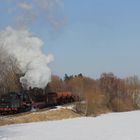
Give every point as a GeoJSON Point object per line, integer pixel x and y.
{"type": "Point", "coordinates": [14, 103]}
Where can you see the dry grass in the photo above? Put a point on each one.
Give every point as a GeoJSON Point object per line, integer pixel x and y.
{"type": "Point", "coordinates": [39, 116]}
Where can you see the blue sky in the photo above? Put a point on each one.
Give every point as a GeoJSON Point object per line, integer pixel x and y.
{"type": "Point", "coordinates": [99, 36]}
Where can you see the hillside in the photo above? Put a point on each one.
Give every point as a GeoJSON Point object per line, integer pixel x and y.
{"type": "Point", "coordinates": [42, 115]}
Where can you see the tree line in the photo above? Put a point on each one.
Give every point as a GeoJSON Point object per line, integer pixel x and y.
{"type": "Point", "coordinates": [105, 94]}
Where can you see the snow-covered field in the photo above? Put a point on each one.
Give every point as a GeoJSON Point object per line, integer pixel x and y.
{"type": "Point", "coordinates": [113, 126]}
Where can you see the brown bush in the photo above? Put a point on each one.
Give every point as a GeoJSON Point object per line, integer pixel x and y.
{"type": "Point", "coordinates": [95, 103]}
{"type": "Point", "coordinates": [122, 104]}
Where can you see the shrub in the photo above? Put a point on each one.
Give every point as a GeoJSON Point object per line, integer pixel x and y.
{"type": "Point", "coordinates": [122, 104]}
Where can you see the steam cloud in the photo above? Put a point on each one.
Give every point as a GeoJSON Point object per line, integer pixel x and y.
{"type": "Point", "coordinates": [31, 11]}
{"type": "Point", "coordinates": [27, 49]}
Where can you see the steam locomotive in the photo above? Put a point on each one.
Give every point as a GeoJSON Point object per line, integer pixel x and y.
{"type": "Point", "coordinates": [14, 102]}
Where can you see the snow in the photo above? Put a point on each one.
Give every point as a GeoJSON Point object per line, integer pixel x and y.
{"type": "Point", "coordinates": [65, 107]}
{"type": "Point", "coordinates": [113, 126]}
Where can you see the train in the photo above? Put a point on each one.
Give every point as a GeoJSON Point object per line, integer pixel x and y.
{"type": "Point", "coordinates": [17, 102]}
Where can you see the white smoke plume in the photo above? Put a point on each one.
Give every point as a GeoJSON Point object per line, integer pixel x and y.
{"type": "Point", "coordinates": [25, 6]}
{"type": "Point", "coordinates": [28, 12]}
{"type": "Point", "coordinates": [27, 49]}
{"type": "Point", "coordinates": [23, 46]}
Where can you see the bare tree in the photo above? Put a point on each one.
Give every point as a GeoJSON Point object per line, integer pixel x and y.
{"type": "Point", "coordinates": [9, 73]}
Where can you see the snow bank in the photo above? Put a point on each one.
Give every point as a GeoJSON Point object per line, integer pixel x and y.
{"type": "Point", "coordinates": [114, 126]}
